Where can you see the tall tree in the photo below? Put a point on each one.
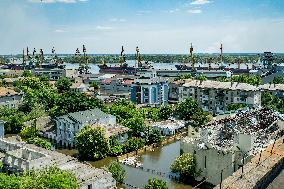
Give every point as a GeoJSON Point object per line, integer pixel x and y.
{"type": "Point", "coordinates": [91, 143]}
{"type": "Point", "coordinates": [63, 84]}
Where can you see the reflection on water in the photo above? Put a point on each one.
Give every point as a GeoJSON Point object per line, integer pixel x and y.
{"type": "Point", "coordinates": [158, 160]}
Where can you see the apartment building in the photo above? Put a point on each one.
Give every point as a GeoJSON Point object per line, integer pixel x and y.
{"type": "Point", "coordinates": [273, 89]}
{"type": "Point", "coordinates": [9, 97]}
{"type": "Point", "coordinates": [153, 92]}
{"type": "Point", "coordinates": [67, 126]}
{"type": "Point", "coordinates": [215, 96]}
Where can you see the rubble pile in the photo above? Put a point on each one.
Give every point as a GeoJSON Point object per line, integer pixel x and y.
{"type": "Point", "coordinates": [260, 124]}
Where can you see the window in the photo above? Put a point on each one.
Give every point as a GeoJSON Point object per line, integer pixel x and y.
{"type": "Point", "coordinates": [90, 186]}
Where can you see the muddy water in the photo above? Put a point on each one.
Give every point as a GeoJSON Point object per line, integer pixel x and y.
{"type": "Point", "coordinates": [159, 160]}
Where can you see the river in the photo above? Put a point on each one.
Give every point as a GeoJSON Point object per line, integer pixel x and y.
{"type": "Point", "coordinates": [170, 66]}
{"type": "Point", "coordinates": [159, 160]}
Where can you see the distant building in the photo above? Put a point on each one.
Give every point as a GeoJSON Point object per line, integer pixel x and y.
{"type": "Point", "coordinates": [115, 86]}
{"type": "Point", "coordinates": [153, 92]}
{"type": "Point", "coordinates": [215, 96]}
{"type": "Point", "coordinates": [11, 73]}
{"type": "Point", "coordinates": [168, 127]}
{"type": "Point", "coordinates": [274, 89]}
{"type": "Point", "coordinates": [10, 98]}
{"type": "Point", "coordinates": [52, 74]}
{"type": "Point", "coordinates": [79, 87]}
{"type": "Point", "coordinates": [268, 59]}
{"type": "Point", "coordinates": [67, 126]}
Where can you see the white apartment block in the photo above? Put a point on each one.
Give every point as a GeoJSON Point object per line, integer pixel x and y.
{"type": "Point", "coordinates": [215, 96]}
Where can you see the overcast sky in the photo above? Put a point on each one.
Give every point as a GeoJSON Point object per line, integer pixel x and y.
{"type": "Point", "coordinates": [156, 26]}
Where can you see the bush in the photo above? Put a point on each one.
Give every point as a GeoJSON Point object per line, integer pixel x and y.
{"type": "Point", "coordinates": [40, 142]}
{"type": "Point", "coordinates": [133, 144]}
{"type": "Point", "coordinates": [117, 171]}
{"type": "Point", "coordinates": [156, 184]}
{"type": "Point", "coordinates": [28, 132]}
{"type": "Point", "coordinates": [185, 165]}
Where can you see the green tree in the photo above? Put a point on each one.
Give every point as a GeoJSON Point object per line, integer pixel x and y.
{"type": "Point", "coordinates": [133, 144]}
{"type": "Point", "coordinates": [278, 80]}
{"type": "Point", "coordinates": [27, 73]}
{"type": "Point", "coordinates": [136, 125]}
{"type": "Point", "coordinates": [185, 165]}
{"type": "Point", "coordinates": [48, 178]}
{"type": "Point", "coordinates": [14, 124]}
{"type": "Point", "coordinates": [156, 184]}
{"type": "Point", "coordinates": [91, 143]}
{"type": "Point", "coordinates": [63, 84]}
{"type": "Point", "coordinates": [200, 118]}
{"type": "Point", "coordinates": [73, 102]}
{"type": "Point", "coordinates": [201, 77]}
{"type": "Point", "coordinates": [117, 171]}
{"type": "Point", "coordinates": [95, 86]}
{"type": "Point", "coordinates": [165, 112]}
{"type": "Point", "coordinates": [236, 106]}
{"type": "Point", "coordinates": [154, 136]}
{"type": "Point", "coordinates": [52, 178]}
{"type": "Point", "coordinates": [185, 109]}
{"type": "Point", "coordinates": [115, 147]}
{"type": "Point", "coordinates": [29, 132]}
{"type": "Point", "coordinates": [9, 181]}
{"type": "Point", "coordinates": [39, 142]}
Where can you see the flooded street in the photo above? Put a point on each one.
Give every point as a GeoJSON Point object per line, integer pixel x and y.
{"type": "Point", "coordinates": [156, 164]}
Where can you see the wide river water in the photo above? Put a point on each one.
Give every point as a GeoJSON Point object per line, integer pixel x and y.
{"type": "Point", "coordinates": [171, 66]}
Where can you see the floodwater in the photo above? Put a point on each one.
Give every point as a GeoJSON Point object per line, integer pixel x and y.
{"type": "Point", "coordinates": [158, 160]}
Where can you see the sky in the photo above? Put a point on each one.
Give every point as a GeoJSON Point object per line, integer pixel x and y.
{"type": "Point", "coordinates": [156, 26]}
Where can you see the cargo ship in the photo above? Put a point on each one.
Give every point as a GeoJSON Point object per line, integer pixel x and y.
{"type": "Point", "coordinates": [35, 61]}
{"type": "Point", "coordinates": [124, 68]}
{"type": "Point", "coordinates": [193, 68]}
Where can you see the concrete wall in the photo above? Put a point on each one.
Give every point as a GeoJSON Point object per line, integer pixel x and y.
{"type": "Point", "coordinates": [211, 161]}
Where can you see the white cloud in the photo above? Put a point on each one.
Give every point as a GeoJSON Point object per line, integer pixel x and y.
{"type": "Point", "coordinates": [173, 10]}
{"type": "Point", "coordinates": [200, 2]}
{"type": "Point", "coordinates": [104, 28]}
{"type": "Point", "coordinates": [117, 20]}
{"type": "Point", "coordinates": [194, 11]}
{"type": "Point", "coordinates": [59, 31]}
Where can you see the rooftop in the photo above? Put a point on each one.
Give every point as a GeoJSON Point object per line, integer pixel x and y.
{"type": "Point", "coordinates": [219, 85]}
{"type": "Point", "coordinates": [272, 87]}
{"type": "Point", "coordinates": [86, 116]}
{"type": "Point", "coordinates": [7, 92]}
{"type": "Point", "coordinates": [152, 80]}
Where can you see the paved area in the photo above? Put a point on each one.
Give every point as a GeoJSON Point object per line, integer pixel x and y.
{"type": "Point", "coordinates": [278, 182]}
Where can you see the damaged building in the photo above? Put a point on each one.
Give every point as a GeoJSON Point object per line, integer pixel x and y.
{"type": "Point", "coordinates": [18, 156]}
{"type": "Point", "coordinates": [225, 145]}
